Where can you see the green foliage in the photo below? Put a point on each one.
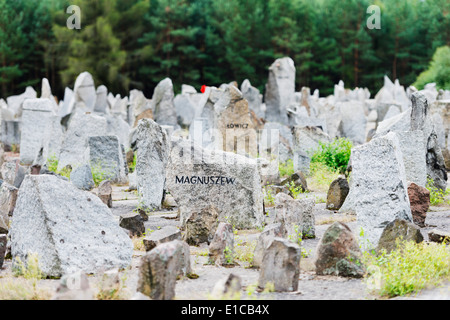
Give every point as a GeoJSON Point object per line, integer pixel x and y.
{"type": "Point", "coordinates": [132, 165]}
{"type": "Point", "coordinates": [408, 269]}
{"type": "Point", "coordinates": [334, 155]}
{"type": "Point", "coordinates": [228, 254]}
{"type": "Point", "coordinates": [29, 270]}
{"type": "Point", "coordinates": [269, 198]}
{"type": "Point", "coordinates": [320, 177]}
{"type": "Point", "coordinates": [24, 27]}
{"type": "Point", "coordinates": [244, 252]}
{"type": "Point", "coordinates": [298, 237]}
{"type": "Point", "coordinates": [24, 285]}
{"type": "Point", "coordinates": [52, 164]}
{"type": "Point", "coordinates": [99, 173]}
{"type": "Point", "coordinates": [127, 44]}
{"type": "Point", "coordinates": [286, 169]}
{"type": "Point", "coordinates": [110, 290]}
{"type": "Point", "coordinates": [438, 71]}
{"type": "Point", "coordinates": [437, 196]}
{"type": "Point", "coordinates": [294, 190]}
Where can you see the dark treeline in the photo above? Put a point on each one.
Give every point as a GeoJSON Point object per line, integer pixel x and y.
{"type": "Point", "coordinates": [127, 44]}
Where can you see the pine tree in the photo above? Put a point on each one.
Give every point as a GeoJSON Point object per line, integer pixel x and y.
{"type": "Point", "coordinates": [94, 48]}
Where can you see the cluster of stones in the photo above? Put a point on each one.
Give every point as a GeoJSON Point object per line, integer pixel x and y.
{"type": "Point", "coordinates": [201, 150]}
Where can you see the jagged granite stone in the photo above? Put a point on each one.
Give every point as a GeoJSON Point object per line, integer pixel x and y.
{"type": "Point", "coordinates": [68, 228]}
{"type": "Point", "coordinates": [338, 253]}
{"type": "Point", "coordinates": [198, 178]}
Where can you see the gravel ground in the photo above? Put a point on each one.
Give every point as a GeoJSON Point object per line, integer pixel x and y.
{"type": "Point", "coordinates": [311, 287]}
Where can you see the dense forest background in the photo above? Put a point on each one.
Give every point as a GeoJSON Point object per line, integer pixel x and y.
{"type": "Point", "coordinates": [133, 44]}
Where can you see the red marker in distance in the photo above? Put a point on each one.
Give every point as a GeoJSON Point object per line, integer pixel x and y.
{"type": "Point", "coordinates": [203, 89]}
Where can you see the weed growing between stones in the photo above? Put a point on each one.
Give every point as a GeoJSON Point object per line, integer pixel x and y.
{"type": "Point", "coordinates": [138, 243]}
{"type": "Point", "coordinates": [437, 196]}
{"type": "Point", "coordinates": [344, 218]}
{"type": "Point", "coordinates": [298, 239]}
{"type": "Point", "coordinates": [99, 173]}
{"type": "Point", "coordinates": [132, 166]}
{"type": "Point", "coordinates": [320, 177]}
{"type": "Point", "coordinates": [335, 155]}
{"type": "Point", "coordinates": [269, 198]}
{"type": "Point", "coordinates": [24, 284]}
{"type": "Point", "coordinates": [408, 269]}
{"type": "Point", "coordinates": [294, 190]}
{"type": "Point", "coordinates": [113, 291]}
{"type": "Point", "coordinates": [286, 169]}
{"type": "Point", "coordinates": [52, 163]}
{"type": "Point", "coordinates": [244, 252]}
{"type": "Point", "coordinates": [229, 256]}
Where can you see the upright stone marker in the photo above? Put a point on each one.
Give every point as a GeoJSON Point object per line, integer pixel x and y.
{"type": "Point", "coordinates": [36, 118]}
{"type": "Point", "coordinates": [162, 103]}
{"type": "Point", "coordinates": [198, 178]}
{"type": "Point", "coordinates": [68, 228]}
{"type": "Point", "coordinates": [81, 127]}
{"type": "Point", "coordinates": [280, 90]}
{"type": "Point", "coordinates": [152, 156]}
{"type": "Point", "coordinates": [378, 187]}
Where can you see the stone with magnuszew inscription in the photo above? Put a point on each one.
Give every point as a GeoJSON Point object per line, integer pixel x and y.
{"type": "Point", "coordinates": [198, 178]}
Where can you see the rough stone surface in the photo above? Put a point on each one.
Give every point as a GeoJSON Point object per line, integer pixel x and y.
{"type": "Point", "coordinates": [80, 128]}
{"type": "Point", "coordinates": [15, 103]}
{"type": "Point", "coordinates": [280, 265]}
{"type": "Point", "coordinates": [84, 90]}
{"type": "Point", "coordinates": [412, 145]}
{"type": "Point", "coordinates": [398, 229]}
{"type": "Point", "coordinates": [37, 116]}
{"type": "Point", "coordinates": [185, 108]}
{"type": "Point", "coordinates": [13, 173]}
{"type": "Point", "coordinates": [162, 103]}
{"type": "Point", "coordinates": [353, 125]}
{"type": "Point", "coordinates": [221, 249]}
{"type": "Point", "coordinates": [419, 117]}
{"type": "Point", "coordinates": [296, 215]}
{"type": "Point", "coordinates": [227, 287]}
{"type": "Point", "coordinates": [419, 199]}
{"type": "Point", "coordinates": [254, 98]}
{"type": "Point", "coordinates": [439, 236]}
{"type": "Point", "coordinates": [163, 235]}
{"type": "Point", "coordinates": [378, 188]}
{"type": "Point", "coordinates": [117, 126]}
{"type": "Point", "coordinates": [280, 90]}
{"type": "Point", "coordinates": [105, 157]}
{"type": "Point", "coordinates": [234, 127]}
{"type": "Point", "coordinates": [337, 193]}
{"type": "Point", "coordinates": [11, 133]}
{"type": "Point", "coordinates": [8, 198]}
{"type": "Point", "coordinates": [338, 253]}
{"type": "Point", "coordinates": [104, 192]}
{"type": "Point", "coordinates": [271, 231]}
{"type": "Point", "coordinates": [298, 179]}
{"type": "Point", "coordinates": [101, 102]}
{"type": "Point", "coordinates": [201, 226]}
{"type": "Point", "coordinates": [3, 243]}
{"type": "Point", "coordinates": [68, 228]}
{"type": "Point", "coordinates": [198, 178]}
{"type": "Point", "coordinates": [306, 141]}
{"type": "Point", "coordinates": [276, 140]}
{"type": "Point", "coordinates": [152, 155]}
{"type": "Point", "coordinates": [81, 177]}
{"type": "Point", "coordinates": [159, 270]}
{"type": "Point", "coordinates": [132, 222]}
{"type": "Point", "coordinates": [225, 123]}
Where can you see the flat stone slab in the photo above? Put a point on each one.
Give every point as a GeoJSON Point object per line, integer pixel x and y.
{"type": "Point", "coordinates": [157, 237]}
